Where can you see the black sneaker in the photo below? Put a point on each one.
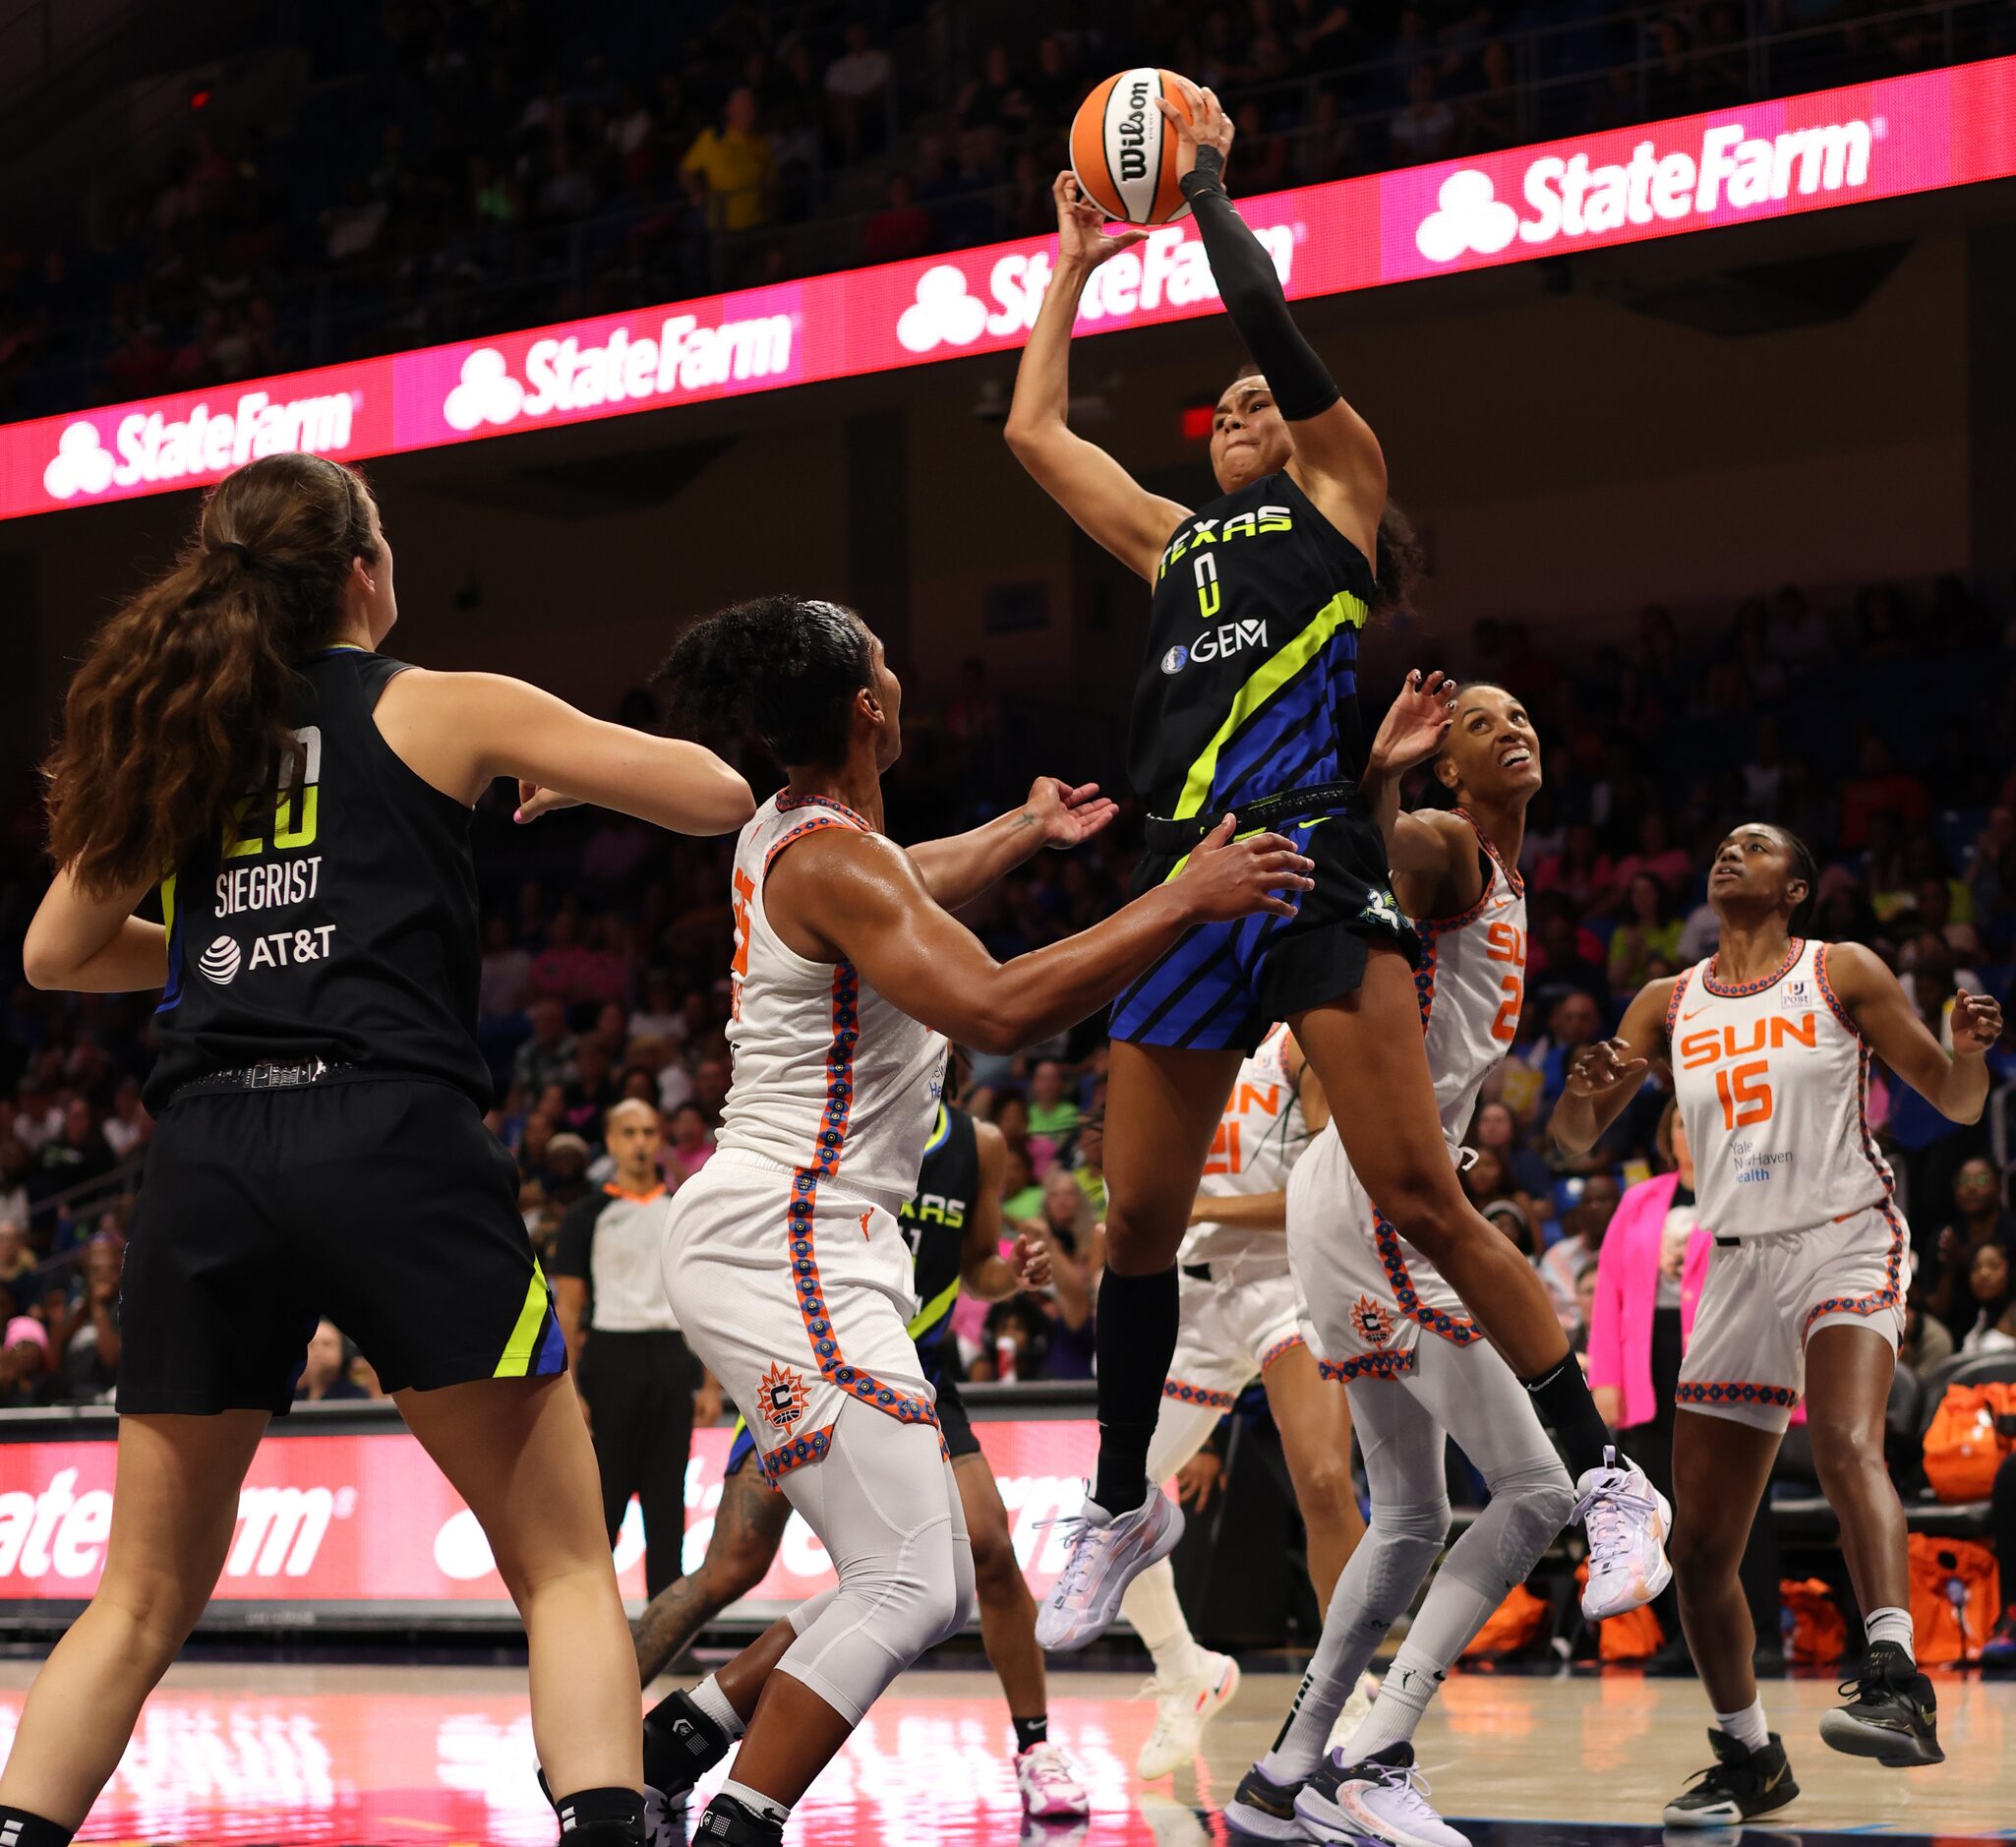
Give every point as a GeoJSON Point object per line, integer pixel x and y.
{"type": "Point", "coordinates": [1893, 1716]}
{"type": "Point", "coordinates": [1740, 1784]}
{"type": "Point", "coordinates": [727, 1824]}
{"type": "Point", "coordinates": [682, 1744]}
{"type": "Point", "coordinates": [1263, 1810]}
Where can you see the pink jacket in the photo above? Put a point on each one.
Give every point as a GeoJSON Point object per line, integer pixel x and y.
{"type": "Point", "coordinates": [1628, 1291]}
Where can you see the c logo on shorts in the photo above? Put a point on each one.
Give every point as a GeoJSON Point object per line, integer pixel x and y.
{"type": "Point", "coordinates": [784, 1396]}
{"type": "Point", "coordinates": [1371, 1322]}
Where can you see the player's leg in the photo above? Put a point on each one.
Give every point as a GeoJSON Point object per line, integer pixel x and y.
{"type": "Point", "coordinates": [1368, 1788]}
{"type": "Point", "coordinates": [517, 1452]}
{"type": "Point", "coordinates": [1163, 1108]}
{"type": "Point", "coordinates": [1893, 1716]}
{"type": "Point", "coordinates": [1190, 1685]}
{"type": "Point", "coordinates": [689, 1731]}
{"type": "Point", "coordinates": [1721, 1469]}
{"type": "Point", "coordinates": [1402, 1444]}
{"type": "Point", "coordinates": [172, 1521]}
{"type": "Point", "coordinates": [1049, 1782]}
{"type": "Point", "coordinates": [1314, 1417]}
{"type": "Point", "coordinates": [887, 1506]}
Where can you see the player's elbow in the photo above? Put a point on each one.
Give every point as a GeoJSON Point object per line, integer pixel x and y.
{"type": "Point", "coordinates": [43, 961]}
{"type": "Point", "coordinates": [999, 1031]}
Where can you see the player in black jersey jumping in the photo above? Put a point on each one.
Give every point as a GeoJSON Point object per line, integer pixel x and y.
{"type": "Point", "coordinates": [953, 1226]}
{"type": "Point", "coordinates": [303, 803]}
{"type": "Point", "coordinates": [1247, 703]}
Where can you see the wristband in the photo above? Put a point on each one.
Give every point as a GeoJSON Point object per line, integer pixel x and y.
{"type": "Point", "coordinates": [1207, 175]}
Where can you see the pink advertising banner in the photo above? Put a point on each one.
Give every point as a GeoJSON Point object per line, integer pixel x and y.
{"type": "Point", "coordinates": [1835, 148]}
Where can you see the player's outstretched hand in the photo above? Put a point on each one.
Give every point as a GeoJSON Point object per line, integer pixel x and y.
{"type": "Point", "coordinates": [1032, 1263]}
{"type": "Point", "coordinates": [1080, 226]}
{"type": "Point", "coordinates": [1977, 1023]}
{"type": "Point", "coordinates": [533, 801]}
{"type": "Point", "coordinates": [1068, 816]}
{"type": "Point", "coordinates": [1206, 126]}
{"type": "Point", "coordinates": [1603, 1069]}
{"type": "Point", "coordinates": [1196, 1479]}
{"type": "Point", "coordinates": [1413, 730]}
{"type": "Point", "coordinates": [1229, 878]}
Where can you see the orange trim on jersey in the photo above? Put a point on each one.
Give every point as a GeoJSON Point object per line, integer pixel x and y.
{"type": "Point", "coordinates": [1382, 1365]}
{"type": "Point", "coordinates": [1204, 1396]}
{"type": "Point", "coordinates": [1490, 845]}
{"type": "Point", "coordinates": [1287, 1344]}
{"type": "Point", "coordinates": [1827, 993]}
{"type": "Point", "coordinates": [1680, 982]}
{"type": "Point", "coordinates": [1457, 1329]}
{"type": "Point", "coordinates": [1424, 974]}
{"type": "Point", "coordinates": [780, 1461]}
{"type": "Point", "coordinates": [1712, 1392]}
{"type": "Point", "coordinates": [787, 801]}
{"type": "Point", "coordinates": [798, 832]}
{"type": "Point", "coordinates": [636, 1199]}
{"type": "Point", "coordinates": [1890, 1295]}
{"type": "Point", "coordinates": [1743, 991]}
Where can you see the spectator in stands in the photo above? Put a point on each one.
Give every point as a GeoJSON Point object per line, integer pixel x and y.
{"type": "Point", "coordinates": [710, 1088]}
{"type": "Point", "coordinates": [1089, 1165]}
{"type": "Point", "coordinates": [129, 1128]}
{"type": "Point", "coordinates": [73, 1158]}
{"type": "Point", "coordinates": [1583, 1227]}
{"type": "Point", "coordinates": [566, 1171]}
{"type": "Point", "coordinates": [858, 95]}
{"type": "Point", "coordinates": [504, 984]}
{"type": "Point", "coordinates": [1052, 1113]}
{"type": "Point", "coordinates": [1646, 942]}
{"type": "Point", "coordinates": [1980, 1218]}
{"type": "Point", "coordinates": [18, 1267]}
{"type": "Point", "coordinates": [1497, 1131]}
{"type": "Point", "coordinates": [547, 1056]}
{"type": "Point", "coordinates": [84, 1339]}
{"type": "Point", "coordinates": [15, 1164]}
{"type": "Point", "coordinates": [902, 228]}
{"type": "Point", "coordinates": [738, 164]}
{"type": "Point", "coordinates": [1514, 1219]}
{"type": "Point", "coordinates": [689, 1144]}
{"type": "Point", "coordinates": [23, 1365]}
{"type": "Point", "coordinates": [1879, 787]}
{"type": "Point", "coordinates": [1020, 1197]}
{"type": "Point", "coordinates": [1574, 1022]}
{"type": "Point", "coordinates": [1995, 1301]}
{"type": "Point", "coordinates": [1425, 129]}
{"type": "Point", "coordinates": [326, 1372]}
{"type": "Point", "coordinates": [994, 102]}
{"type": "Point", "coordinates": [1561, 954]}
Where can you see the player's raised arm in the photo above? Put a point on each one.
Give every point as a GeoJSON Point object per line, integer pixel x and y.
{"type": "Point", "coordinates": [1081, 477]}
{"type": "Point", "coordinates": [1604, 1077]}
{"type": "Point", "coordinates": [1955, 1082]}
{"type": "Point", "coordinates": [1338, 460]}
{"type": "Point", "coordinates": [960, 866]}
{"type": "Point", "coordinates": [1421, 846]}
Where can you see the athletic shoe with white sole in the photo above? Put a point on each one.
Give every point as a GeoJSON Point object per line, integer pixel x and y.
{"type": "Point", "coordinates": [1104, 1555]}
{"type": "Point", "coordinates": [1381, 1798]}
{"type": "Point", "coordinates": [1263, 1810]}
{"type": "Point", "coordinates": [1738, 1784]}
{"type": "Point", "coordinates": [1628, 1522]}
{"type": "Point", "coordinates": [1356, 1710]}
{"type": "Point", "coordinates": [1893, 1717]}
{"type": "Point", "coordinates": [1051, 1785]}
{"type": "Point", "coordinates": [1183, 1708]}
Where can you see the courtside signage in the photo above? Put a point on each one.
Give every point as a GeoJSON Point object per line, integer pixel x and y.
{"type": "Point", "coordinates": [1762, 160]}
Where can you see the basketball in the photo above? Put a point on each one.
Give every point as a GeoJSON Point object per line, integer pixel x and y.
{"type": "Point", "coordinates": [1121, 151]}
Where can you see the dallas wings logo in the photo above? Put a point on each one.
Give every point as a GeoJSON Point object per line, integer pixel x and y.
{"type": "Point", "coordinates": [784, 1396]}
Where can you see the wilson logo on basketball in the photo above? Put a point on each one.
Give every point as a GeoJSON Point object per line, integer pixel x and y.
{"type": "Point", "coordinates": [1132, 127]}
{"type": "Point", "coordinates": [1729, 171]}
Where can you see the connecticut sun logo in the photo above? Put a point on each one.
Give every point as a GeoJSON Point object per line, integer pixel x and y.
{"type": "Point", "coordinates": [1372, 1322]}
{"type": "Point", "coordinates": [784, 1396]}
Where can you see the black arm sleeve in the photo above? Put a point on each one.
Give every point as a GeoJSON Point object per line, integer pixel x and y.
{"type": "Point", "coordinates": [1299, 381]}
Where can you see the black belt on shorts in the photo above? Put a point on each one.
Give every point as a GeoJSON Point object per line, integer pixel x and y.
{"type": "Point", "coordinates": [1198, 1273]}
{"type": "Point", "coordinates": [1728, 1244]}
{"type": "Point", "coordinates": [1163, 835]}
{"type": "Point", "coordinates": [268, 1075]}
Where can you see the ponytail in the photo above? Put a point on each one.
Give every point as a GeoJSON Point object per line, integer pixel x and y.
{"type": "Point", "coordinates": [782, 668]}
{"type": "Point", "coordinates": [181, 707]}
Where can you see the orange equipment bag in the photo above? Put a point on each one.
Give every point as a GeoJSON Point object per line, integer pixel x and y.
{"type": "Point", "coordinates": [1514, 1624]}
{"type": "Point", "coordinates": [1819, 1634]}
{"type": "Point", "coordinates": [1962, 1448]}
{"type": "Point", "coordinates": [1955, 1598]}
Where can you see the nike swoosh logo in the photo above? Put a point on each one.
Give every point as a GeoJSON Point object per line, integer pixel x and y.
{"type": "Point", "coordinates": [1690, 1016]}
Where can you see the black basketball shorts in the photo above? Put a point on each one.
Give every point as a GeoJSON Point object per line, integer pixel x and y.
{"type": "Point", "coordinates": [385, 1205]}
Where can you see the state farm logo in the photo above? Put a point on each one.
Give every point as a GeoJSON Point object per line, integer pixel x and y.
{"type": "Point", "coordinates": [1573, 197]}
{"type": "Point", "coordinates": [1169, 269]}
{"type": "Point", "coordinates": [566, 374]}
{"type": "Point", "coordinates": [150, 447]}
{"type": "Point", "coordinates": [62, 1533]}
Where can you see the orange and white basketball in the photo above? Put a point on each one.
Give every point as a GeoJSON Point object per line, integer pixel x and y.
{"type": "Point", "coordinates": [1123, 149]}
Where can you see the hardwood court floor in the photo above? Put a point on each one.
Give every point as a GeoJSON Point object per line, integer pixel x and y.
{"type": "Point", "coordinates": [330, 1754]}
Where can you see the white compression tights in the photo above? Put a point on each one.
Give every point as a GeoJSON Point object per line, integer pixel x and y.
{"type": "Point", "coordinates": [1470, 1393]}
{"type": "Point", "coordinates": [886, 1506]}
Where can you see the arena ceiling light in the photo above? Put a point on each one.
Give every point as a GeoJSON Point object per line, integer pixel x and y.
{"type": "Point", "coordinates": [1761, 161]}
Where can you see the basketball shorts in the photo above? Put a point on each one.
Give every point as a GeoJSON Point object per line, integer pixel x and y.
{"type": "Point", "coordinates": [1225, 985]}
{"type": "Point", "coordinates": [382, 1204]}
{"type": "Point", "coordinates": [955, 1425]}
{"type": "Point", "coordinates": [1236, 1322]}
{"type": "Point", "coordinates": [797, 1297]}
{"type": "Point", "coordinates": [1765, 1297]}
{"type": "Point", "coordinates": [1368, 1295]}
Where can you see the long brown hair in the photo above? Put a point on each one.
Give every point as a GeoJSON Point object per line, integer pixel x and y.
{"type": "Point", "coordinates": [181, 707]}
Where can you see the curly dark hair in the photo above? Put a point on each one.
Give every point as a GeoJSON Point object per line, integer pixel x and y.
{"type": "Point", "coordinates": [781, 668]}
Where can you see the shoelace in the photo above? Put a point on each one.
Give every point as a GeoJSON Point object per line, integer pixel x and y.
{"type": "Point", "coordinates": [1076, 1532]}
{"type": "Point", "coordinates": [1603, 1509]}
{"type": "Point", "coordinates": [1409, 1785]}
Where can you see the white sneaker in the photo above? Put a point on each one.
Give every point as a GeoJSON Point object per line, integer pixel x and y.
{"type": "Point", "coordinates": [1051, 1785]}
{"type": "Point", "coordinates": [1183, 1708]}
{"type": "Point", "coordinates": [1382, 1799]}
{"type": "Point", "coordinates": [1105, 1555]}
{"type": "Point", "coordinates": [1357, 1709]}
{"type": "Point", "coordinates": [1628, 1523]}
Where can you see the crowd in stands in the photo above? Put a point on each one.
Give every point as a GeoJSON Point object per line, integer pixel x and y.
{"type": "Point", "coordinates": [458, 168]}
{"type": "Point", "coordinates": [1883, 730]}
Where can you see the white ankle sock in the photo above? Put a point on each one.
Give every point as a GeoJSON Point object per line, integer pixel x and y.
{"type": "Point", "coordinates": [1890, 1623]}
{"type": "Point", "coordinates": [1151, 1606]}
{"type": "Point", "coordinates": [709, 1698]}
{"type": "Point", "coordinates": [1747, 1727]}
{"type": "Point", "coordinates": [755, 1802]}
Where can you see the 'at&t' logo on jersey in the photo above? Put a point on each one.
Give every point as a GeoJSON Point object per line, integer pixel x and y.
{"type": "Point", "coordinates": [1217, 644]}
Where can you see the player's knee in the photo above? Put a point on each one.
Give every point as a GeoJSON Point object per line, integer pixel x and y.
{"type": "Point", "coordinates": [996, 1571]}
{"type": "Point", "coordinates": [1326, 1492]}
{"type": "Point", "coordinates": [1141, 1234]}
{"type": "Point", "coordinates": [1538, 1499]}
{"type": "Point", "coordinates": [1410, 1524]}
{"type": "Point", "coordinates": [1427, 1210]}
{"type": "Point", "coordinates": [1845, 1452]}
{"type": "Point", "coordinates": [1701, 1555]}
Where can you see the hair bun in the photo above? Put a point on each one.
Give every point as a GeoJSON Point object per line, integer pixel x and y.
{"type": "Point", "coordinates": [242, 553]}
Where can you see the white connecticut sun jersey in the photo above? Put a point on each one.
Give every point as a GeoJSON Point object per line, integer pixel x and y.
{"type": "Point", "coordinates": [1772, 1081]}
{"type": "Point", "coordinates": [1260, 1138]}
{"type": "Point", "coordinates": [829, 1076]}
{"type": "Point", "coordinates": [1472, 983]}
